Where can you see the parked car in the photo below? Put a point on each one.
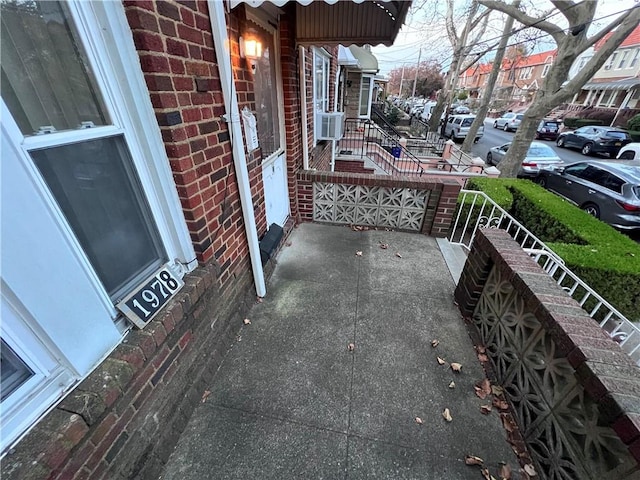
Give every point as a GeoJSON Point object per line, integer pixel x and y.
{"type": "Point", "coordinates": [539, 157]}
{"type": "Point", "coordinates": [509, 121]}
{"type": "Point", "coordinates": [461, 110]}
{"type": "Point", "coordinates": [595, 139]}
{"type": "Point", "coordinates": [631, 151]}
{"type": "Point", "coordinates": [548, 129]}
{"type": "Point", "coordinates": [416, 110]}
{"type": "Point", "coordinates": [607, 190]}
{"type": "Point", "coordinates": [426, 111]}
{"type": "Point", "coordinates": [457, 127]}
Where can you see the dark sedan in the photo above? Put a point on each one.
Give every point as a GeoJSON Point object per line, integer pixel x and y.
{"type": "Point", "coordinates": [595, 139]}
{"type": "Point", "coordinates": [548, 129]}
{"type": "Point", "coordinates": [607, 190]}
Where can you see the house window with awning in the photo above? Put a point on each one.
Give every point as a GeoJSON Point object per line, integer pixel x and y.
{"type": "Point", "coordinates": [321, 72]}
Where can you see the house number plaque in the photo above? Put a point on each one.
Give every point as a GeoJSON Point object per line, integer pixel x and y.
{"type": "Point", "coordinates": [141, 305]}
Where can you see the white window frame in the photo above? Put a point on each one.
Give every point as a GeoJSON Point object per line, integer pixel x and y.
{"type": "Point", "coordinates": [116, 68]}
{"type": "Point", "coordinates": [610, 61]}
{"type": "Point", "coordinates": [635, 58]}
{"type": "Point", "coordinates": [622, 61]}
{"type": "Point", "coordinates": [324, 95]}
{"type": "Point", "coordinates": [370, 94]}
{"type": "Point", "coordinates": [545, 69]}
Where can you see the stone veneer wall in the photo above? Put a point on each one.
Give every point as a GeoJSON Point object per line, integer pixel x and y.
{"type": "Point", "coordinates": [575, 393]}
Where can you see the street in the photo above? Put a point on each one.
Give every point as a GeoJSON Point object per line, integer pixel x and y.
{"type": "Point", "coordinates": [494, 137]}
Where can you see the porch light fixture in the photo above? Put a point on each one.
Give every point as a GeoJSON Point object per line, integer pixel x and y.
{"type": "Point", "coordinates": [251, 49]}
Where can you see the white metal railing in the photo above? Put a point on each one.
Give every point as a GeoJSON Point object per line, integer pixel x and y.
{"type": "Point", "coordinates": [478, 210]}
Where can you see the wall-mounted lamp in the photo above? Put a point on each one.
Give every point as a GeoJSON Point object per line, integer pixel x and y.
{"type": "Point", "coordinates": [251, 49]}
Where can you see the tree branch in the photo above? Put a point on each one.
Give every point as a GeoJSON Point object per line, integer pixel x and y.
{"type": "Point", "coordinates": [451, 28]}
{"type": "Point", "coordinates": [627, 25]}
{"type": "Point", "coordinates": [567, 8]}
{"type": "Point", "coordinates": [634, 13]}
{"type": "Point", "coordinates": [477, 56]}
{"type": "Point", "coordinates": [553, 30]}
{"type": "Point", "coordinates": [483, 16]}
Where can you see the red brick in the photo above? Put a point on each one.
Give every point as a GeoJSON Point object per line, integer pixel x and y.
{"type": "Point", "coordinates": [164, 100]}
{"type": "Point", "coordinates": [190, 34]}
{"type": "Point", "coordinates": [188, 17]}
{"type": "Point", "coordinates": [148, 41]}
{"type": "Point", "coordinates": [177, 47]}
{"type": "Point", "coordinates": [177, 66]}
{"type": "Point", "coordinates": [628, 427]}
{"type": "Point", "coordinates": [140, 19]}
{"type": "Point", "coordinates": [183, 83]}
{"type": "Point", "coordinates": [186, 338]}
{"type": "Point", "coordinates": [168, 27]}
{"type": "Point", "coordinates": [158, 83]}
{"type": "Point", "coordinates": [103, 429]}
{"type": "Point", "coordinates": [154, 63]}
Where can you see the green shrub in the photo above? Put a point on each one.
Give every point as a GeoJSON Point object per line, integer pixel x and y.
{"type": "Point", "coordinates": [635, 135]}
{"type": "Point", "coordinates": [572, 122]}
{"type": "Point", "coordinates": [605, 259]}
{"type": "Point", "coordinates": [634, 123]}
{"type": "Point", "coordinates": [393, 116]}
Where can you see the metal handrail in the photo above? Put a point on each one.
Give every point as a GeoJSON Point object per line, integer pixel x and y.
{"type": "Point", "coordinates": [483, 212]}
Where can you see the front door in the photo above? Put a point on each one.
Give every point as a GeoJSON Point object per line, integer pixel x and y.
{"type": "Point", "coordinates": [269, 118]}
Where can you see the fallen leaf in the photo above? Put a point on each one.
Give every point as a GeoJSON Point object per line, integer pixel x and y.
{"type": "Point", "coordinates": [288, 244]}
{"type": "Point", "coordinates": [384, 246]}
{"type": "Point", "coordinates": [507, 423]}
{"type": "Point", "coordinates": [483, 388]}
{"type": "Point", "coordinates": [419, 421]}
{"type": "Point", "coordinates": [246, 321]}
{"type": "Point", "coordinates": [239, 338]}
{"type": "Point", "coordinates": [500, 404]}
{"type": "Point", "coordinates": [456, 367]}
{"type": "Point", "coordinates": [205, 395]}
{"type": "Point", "coordinates": [452, 384]}
{"type": "Point", "coordinates": [398, 255]}
{"type": "Point", "coordinates": [530, 470]}
{"type": "Point", "coordinates": [481, 349]}
{"type": "Point", "coordinates": [497, 390]}
{"type": "Point", "coordinates": [435, 343]}
{"type": "Point", "coordinates": [259, 299]}
{"type": "Point", "coordinates": [441, 361]}
{"type": "Point", "coordinates": [473, 460]}
{"type": "Point", "coordinates": [505, 472]}
{"type": "Point", "coordinates": [487, 475]}
{"type": "Point", "coordinates": [447, 415]}
{"type": "Point", "coordinates": [485, 409]}
{"type": "Point", "coordinates": [351, 347]}
{"type": "Point", "coordinates": [483, 358]}
{"type": "Point", "coordinates": [359, 253]}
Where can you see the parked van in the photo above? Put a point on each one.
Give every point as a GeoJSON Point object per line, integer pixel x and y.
{"type": "Point", "coordinates": [425, 116]}
{"type": "Point", "coordinates": [458, 126]}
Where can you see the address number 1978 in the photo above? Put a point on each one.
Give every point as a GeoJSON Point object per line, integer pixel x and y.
{"type": "Point", "coordinates": [141, 305]}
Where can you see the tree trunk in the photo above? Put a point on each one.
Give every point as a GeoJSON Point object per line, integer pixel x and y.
{"type": "Point", "coordinates": [491, 82]}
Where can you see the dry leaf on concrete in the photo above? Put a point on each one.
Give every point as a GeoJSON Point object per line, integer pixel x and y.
{"type": "Point", "coordinates": [246, 321]}
{"type": "Point", "coordinates": [507, 423]}
{"type": "Point", "coordinates": [530, 470]}
{"type": "Point", "coordinates": [398, 255]}
{"type": "Point", "coordinates": [497, 390]}
{"type": "Point", "coordinates": [481, 349]}
{"type": "Point", "coordinates": [441, 361]}
{"type": "Point", "coordinates": [419, 421]}
{"type": "Point", "coordinates": [505, 472]}
{"type": "Point", "coordinates": [351, 347]}
{"type": "Point", "coordinates": [456, 367]}
{"type": "Point", "coordinates": [259, 299]}
{"type": "Point", "coordinates": [452, 384]}
{"type": "Point", "coordinates": [447, 415]}
{"type": "Point", "coordinates": [359, 253]}
{"type": "Point", "coordinates": [483, 358]}
{"type": "Point", "coordinates": [487, 475]}
{"type": "Point", "coordinates": [500, 404]}
{"type": "Point", "coordinates": [473, 460]}
{"type": "Point", "coordinates": [384, 246]}
{"type": "Point", "coordinates": [483, 388]}
{"type": "Point", "coordinates": [435, 343]}
{"type": "Point", "coordinates": [485, 409]}
{"type": "Point", "coordinates": [205, 395]}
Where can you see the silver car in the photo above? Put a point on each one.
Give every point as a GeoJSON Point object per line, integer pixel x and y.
{"type": "Point", "coordinates": [607, 190]}
{"type": "Point", "coordinates": [540, 156]}
{"type": "Point", "coordinates": [458, 126]}
{"type": "Point", "coordinates": [509, 121]}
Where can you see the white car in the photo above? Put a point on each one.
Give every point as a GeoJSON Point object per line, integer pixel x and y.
{"type": "Point", "coordinates": [631, 151]}
{"type": "Point", "coordinates": [509, 121]}
{"type": "Point", "coordinates": [457, 127]}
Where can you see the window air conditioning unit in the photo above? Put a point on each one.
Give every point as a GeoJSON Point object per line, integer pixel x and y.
{"type": "Point", "coordinates": [329, 126]}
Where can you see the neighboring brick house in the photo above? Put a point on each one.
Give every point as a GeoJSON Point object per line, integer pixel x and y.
{"type": "Point", "coordinates": [615, 87]}
{"type": "Point", "coordinates": [129, 161]}
{"type": "Point", "coordinates": [474, 79]}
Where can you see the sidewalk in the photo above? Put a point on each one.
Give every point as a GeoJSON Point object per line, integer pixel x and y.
{"type": "Point", "coordinates": [292, 401]}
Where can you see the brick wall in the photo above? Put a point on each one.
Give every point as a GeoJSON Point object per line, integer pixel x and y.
{"type": "Point", "coordinates": [124, 419]}
{"type": "Point", "coordinates": [439, 209]}
{"type": "Point", "coordinates": [177, 57]}
{"type": "Point", "coordinates": [543, 332]}
{"type": "Point", "coordinates": [353, 166]}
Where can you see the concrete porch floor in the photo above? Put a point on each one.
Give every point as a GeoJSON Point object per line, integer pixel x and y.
{"type": "Point", "coordinates": [291, 401]}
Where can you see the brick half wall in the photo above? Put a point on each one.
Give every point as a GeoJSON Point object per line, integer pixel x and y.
{"type": "Point", "coordinates": [574, 391]}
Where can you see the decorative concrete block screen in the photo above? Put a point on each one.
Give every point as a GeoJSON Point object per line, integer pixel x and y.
{"type": "Point", "coordinates": [400, 208]}
{"type": "Point", "coordinates": [574, 392]}
{"type": "Point", "coordinates": [424, 205]}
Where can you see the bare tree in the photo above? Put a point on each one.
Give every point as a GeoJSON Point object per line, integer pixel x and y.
{"type": "Point", "coordinates": [491, 82]}
{"type": "Point", "coordinates": [462, 58]}
{"type": "Point", "coordinates": [571, 42]}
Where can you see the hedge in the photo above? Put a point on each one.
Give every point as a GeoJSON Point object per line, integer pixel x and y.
{"type": "Point", "coordinates": [573, 122]}
{"type": "Point", "coordinates": [605, 259]}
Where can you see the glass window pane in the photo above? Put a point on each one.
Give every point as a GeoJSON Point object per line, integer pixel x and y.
{"type": "Point", "coordinates": [266, 94]}
{"type": "Point", "coordinates": [365, 90]}
{"type": "Point", "coordinates": [46, 79]}
{"type": "Point", "coordinates": [13, 371]}
{"type": "Point", "coordinates": [98, 190]}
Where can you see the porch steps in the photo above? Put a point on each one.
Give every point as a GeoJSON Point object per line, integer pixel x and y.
{"type": "Point", "coordinates": [454, 256]}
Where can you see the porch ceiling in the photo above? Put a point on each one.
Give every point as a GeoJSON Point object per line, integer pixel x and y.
{"type": "Point", "coordinates": [332, 22]}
